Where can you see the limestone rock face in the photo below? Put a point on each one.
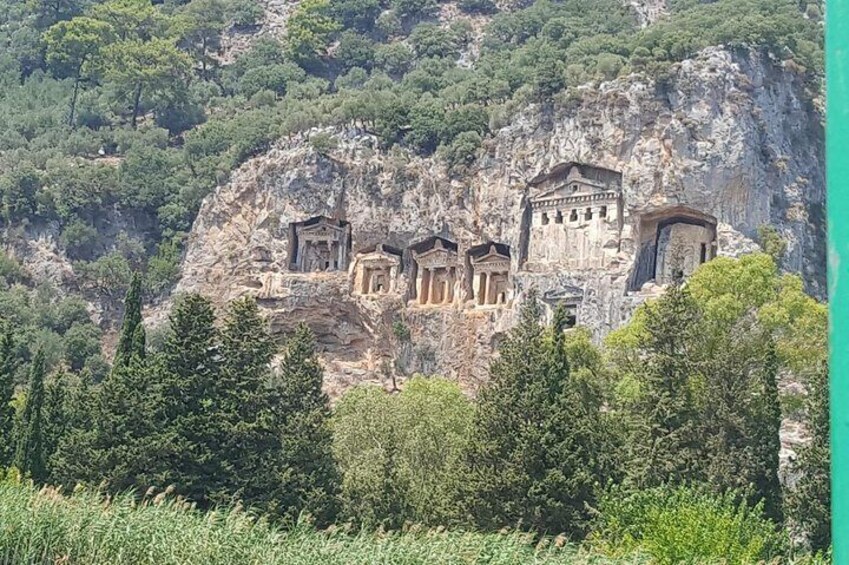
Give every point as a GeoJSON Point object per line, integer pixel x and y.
{"type": "Point", "coordinates": [728, 144]}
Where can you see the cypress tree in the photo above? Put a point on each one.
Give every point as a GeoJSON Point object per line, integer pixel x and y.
{"type": "Point", "coordinates": [666, 444]}
{"type": "Point", "coordinates": [188, 376]}
{"type": "Point", "coordinates": [309, 476]}
{"type": "Point", "coordinates": [534, 453]}
{"type": "Point", "coordinates": [131, 342]}
{"type": "Point", "coordinates": [30, 456]}
{"type": "Point", "coordinates": [250, 444]}
{"type": "Point", "coordinates": [55, 418]}
{"type": "Point", "coordinates": [767, 427]}
{"type": "Point", "coordinates": [7, 390]}
{"type": "Point", "coordinates": [810, 502]}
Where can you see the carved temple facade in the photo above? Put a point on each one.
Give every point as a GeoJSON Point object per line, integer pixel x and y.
{"type": "Point", "coordinates": [376, 270]}
{"type": "Point", "coordinates": [572, 224]}
{"type": "Point", "coordinates": [490, 265]}
{"type": "Point", "coordinates": [575, 218]}
{"type": "Point", "coordinates": [319, 244]}
{"type": "Point", "coordinates": [436, 271]}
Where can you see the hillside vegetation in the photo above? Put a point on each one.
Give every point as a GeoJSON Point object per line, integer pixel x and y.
{"type": "Point", "coordinates": [118, 118]}
{"type": "Point", "coordinates": [663, 443]}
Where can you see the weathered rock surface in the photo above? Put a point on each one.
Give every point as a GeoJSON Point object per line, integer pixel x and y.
{"type": "Point", "coordinates": [731, 137]}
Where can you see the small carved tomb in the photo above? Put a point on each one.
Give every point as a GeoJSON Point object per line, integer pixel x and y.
{"type": "Point", "coordinates": [673, 243]}
{"type": "Point", "coordinates": [319, 244]}
{"type": "Point", "coordinates": [570, 298]}
{"type": "Point", "coordinates": [376, 270]}
{"type": "Point", "coordinates": [490, 274]}
{"type": "Point", "coordinates": [436, 271]}
{"type": "Point", "coordinates": [584, 202]}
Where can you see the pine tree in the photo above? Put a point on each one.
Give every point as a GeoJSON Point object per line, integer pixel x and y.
{"type": "Point", "coordinates": [810, 501]}
{"type": "Point", "coordinates": [188, 377]}
{"type": "Point", "coordinates": [131, 342]}
{"type": "Point", "coordinates": [665, 444]}
{"type": "Point", "coordinates": [73, 461]}
{"type": "Point", "coordinates": [7, 390]}
{"type": "Point", "coordinates": [30, 456]}
{"type": "Point", "coordinates": [309, 476]}
{"type": "Point", "coordinates": [250, 445]}
{"type": "Point", "coordinates": [534, 454]}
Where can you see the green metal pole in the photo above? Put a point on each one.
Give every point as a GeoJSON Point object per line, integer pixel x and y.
{"type": "Point", "coordinates": [837, 164]}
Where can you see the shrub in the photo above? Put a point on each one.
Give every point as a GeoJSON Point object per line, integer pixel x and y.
{"type": "Point", "coordinates": [685, 525]}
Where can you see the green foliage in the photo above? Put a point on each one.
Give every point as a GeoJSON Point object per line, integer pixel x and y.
{"type": "Point", "coordinates": [810, 502]}
{"type": "Point", "coordinates": [400, 454]}
{"type": "Point", "coordinates": [540, 444]}
{"type": "Point", "coordinates": [308, 30]}
{"type": "Point", "coordinates": [309, 479]}
{"type": "Point", "coordinates": [30, 456]}
{"type": "Point", "coordinates": [7, 391]}
{"type": "Point", "coordinates": [772, 242]}
{"type": "Point", "coordinates": [131, 340]}
{"type": "Point", "coordinates": [685, 525]}
{"type": "Point", "coordinates": [43, 524]}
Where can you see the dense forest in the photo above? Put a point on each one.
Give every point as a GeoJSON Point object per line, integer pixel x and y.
{"type": "Point", "coordinates": [674, 423]}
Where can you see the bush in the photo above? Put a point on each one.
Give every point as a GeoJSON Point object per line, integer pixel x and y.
{"type": "Point", "coordinates": [685, 525]}
{"type": "Point", "coordinates": [355, 50]}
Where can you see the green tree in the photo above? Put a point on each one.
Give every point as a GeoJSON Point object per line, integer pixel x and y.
{"type": "Point", "coordinates": [366, 446]}
{"type": "Point", "coordinates": [7, 391]}
{"type": "Point", "coordinates": [401, 454]}
{"type": "Point", "coordinates": [189, 373]}
{"type": "Point", "coordinates": [131, 340]}
{"type": "Point", "coordinates": [308, 30]}
{"type": "Point", "coordinates": [665, 444]}
{"type": "Point", "coordinates": [55, 418]}
{"type": "Point", "coordinates": [199, 26]}
{"type": "Point", "coordinates": [251, 440]}
{"type": "Point", "coordinates": [72, 47]}
{"type": "Point", "coordinates": [135, 67]}
{"type": "Point", "coordinates": [30, 457]}
{"type": "Point", "coordinates": [809, 503]}
{"type": "Point", "coordinates": [539, 440]}
{"type": "Point", "coordinates": [309, 478]}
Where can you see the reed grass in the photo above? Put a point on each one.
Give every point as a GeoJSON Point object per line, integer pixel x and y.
{"type": "Point", "coordinates": [43, 526]}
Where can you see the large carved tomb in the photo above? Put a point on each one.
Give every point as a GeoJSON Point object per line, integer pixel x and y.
{"type": "Point", "coordinates": [490, 264]}
{"type": "Point", "coordinates": [435, 271]}
{"type": "Point", "coordinates": [376, 270]}
{"type": "Point", "coordinates": [319, 244]}
{"type": "Point", "coordinates": [575, 217]}
{"type": "Point", "coordinates": [673, 243]}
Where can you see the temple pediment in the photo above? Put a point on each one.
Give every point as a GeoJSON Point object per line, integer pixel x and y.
{"type": "Point", "coordinates": [322, 230]}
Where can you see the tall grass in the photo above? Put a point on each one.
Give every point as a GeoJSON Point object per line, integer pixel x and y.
{"type": "Point", "coordinates": [43, 526]}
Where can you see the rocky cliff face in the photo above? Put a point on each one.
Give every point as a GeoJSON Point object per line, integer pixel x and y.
{"type": "Point", "coordinates": [728, 144]}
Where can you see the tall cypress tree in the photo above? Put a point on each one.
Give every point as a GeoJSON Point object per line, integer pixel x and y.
{"type": "Point", "coordinates": [309, 476]}
{"type": "Point", "coordinates": [7, 390]}
{"type": "Point", "coordinates": [810, 501]}
{"type": "Point", "coordinates": [30, 456]}
{"type": "Point", "coordinates": [131, 342]}
{"type": "Point", "coordinates": [534, 453]}
{"type": "Point", "coordinates": [250, 444]}
{"type": "Point", "coordinates": [55, 417]}
{"type": "Point", "coordinates": [666, 445]}
{"type": "Point", "coordinates": [766, 431]}
{"type": "Point", "coordinates": [188, 376]}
